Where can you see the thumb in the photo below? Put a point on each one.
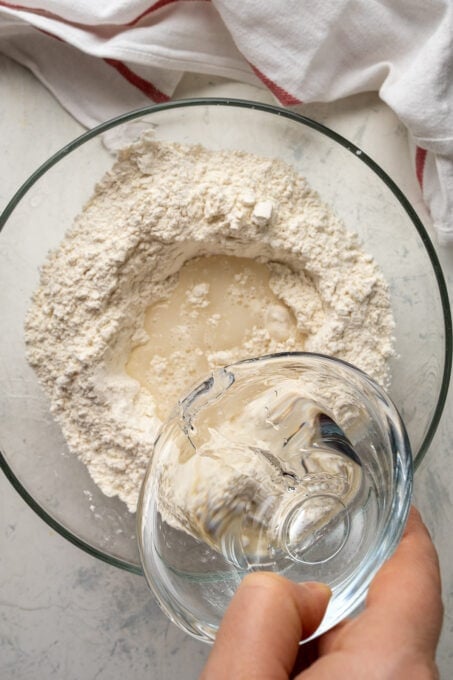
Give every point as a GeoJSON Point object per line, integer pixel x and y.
{"type": "Point", "coordinates": [261, 630]}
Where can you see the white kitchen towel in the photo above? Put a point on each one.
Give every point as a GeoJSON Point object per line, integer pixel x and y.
{"type": "Point", "coordinates": [109, 56]}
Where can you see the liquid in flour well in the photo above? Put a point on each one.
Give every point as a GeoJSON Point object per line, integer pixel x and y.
{"type": "Point", "coordinates": [220, 303]}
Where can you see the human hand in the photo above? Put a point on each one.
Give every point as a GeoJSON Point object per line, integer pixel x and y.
{"type": "Point", "coordinates": [395, 636]}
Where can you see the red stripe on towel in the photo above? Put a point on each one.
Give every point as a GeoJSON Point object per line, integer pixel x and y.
{"type": "Point", "coordinates": [134, 79]}
{"type": "Point", "coordinates": [51, 35]}
{"type": "Point", "coordinates": [282, 95]}
{"type": "Point", "coordinates": [137, 81]}
{"type": "Point", "coordinates": [420, 159]}
{"type": "Point", "coordinates": [32, 10]}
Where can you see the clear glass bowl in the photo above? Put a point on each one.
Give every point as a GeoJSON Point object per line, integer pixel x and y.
{"type": "Point", "coordinates": [293, 463]}
{"type": "Point", "coordinates": [34, 454]}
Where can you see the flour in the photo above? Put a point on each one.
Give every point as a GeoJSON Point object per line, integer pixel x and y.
{"type": "Point", "coordinates": [161, 205]}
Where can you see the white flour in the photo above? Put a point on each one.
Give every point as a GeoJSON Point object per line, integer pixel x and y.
{"type": "Point", "coordinates": [161, 205]}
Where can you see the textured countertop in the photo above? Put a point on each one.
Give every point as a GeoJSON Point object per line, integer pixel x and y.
{"type": "Point", "coordinates": [67, 615]}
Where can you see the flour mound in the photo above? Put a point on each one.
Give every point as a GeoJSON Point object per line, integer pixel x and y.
{"type": "Point", "coordinates": [159, 206]}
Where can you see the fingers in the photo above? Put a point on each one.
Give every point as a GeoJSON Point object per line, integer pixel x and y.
{"type": "Point", "coordinates": [262, 628]}
{"type": "Point", "coordinates": [407, 590]}
{"type": "Point", "coordinates": [403, 613]}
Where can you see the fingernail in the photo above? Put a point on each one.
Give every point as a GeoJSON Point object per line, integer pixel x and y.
{"type": "Point", "coordinates": [317, 588]}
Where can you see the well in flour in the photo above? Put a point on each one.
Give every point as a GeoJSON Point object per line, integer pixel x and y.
{"type": "Point", "coordinates": [163, 205]}
{"type": "Point", "coordinates": [222, 309]}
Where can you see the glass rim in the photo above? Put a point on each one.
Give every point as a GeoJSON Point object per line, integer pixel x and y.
{"type": "Point", "coordinates": [283, 113]}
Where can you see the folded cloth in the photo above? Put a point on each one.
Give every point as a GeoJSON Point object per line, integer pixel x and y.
{"type": "Point", "coordinates": [106, 57]}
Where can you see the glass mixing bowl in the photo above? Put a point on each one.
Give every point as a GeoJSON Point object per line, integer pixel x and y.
{"type": "Point", "coordinates": [293, 463]}
{"type": "Point", "coordinates": [34, 454]}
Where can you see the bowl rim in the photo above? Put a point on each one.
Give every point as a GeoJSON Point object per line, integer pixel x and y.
{"type": "Point", "coordinates": [298, 118]}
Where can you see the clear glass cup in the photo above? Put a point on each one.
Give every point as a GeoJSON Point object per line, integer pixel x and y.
{"type": "Point", "coordinates": [293, 463]}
